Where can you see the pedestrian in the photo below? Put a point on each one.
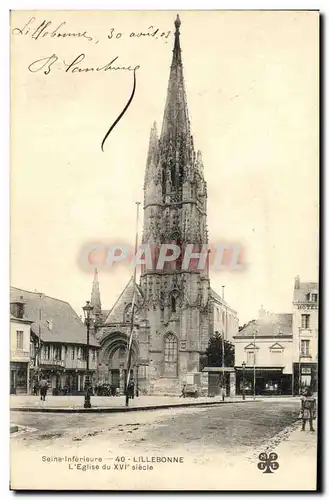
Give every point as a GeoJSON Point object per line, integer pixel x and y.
{"type": "Point", "coordinates": [308, 408]}
{"type": "Point", "coordinates": [131, 389]}
{"type": "Point", "coordinates": [36, 388]}
{"type": "Point", "coordinates": [183, 394]}
{"type": "Point", "coordinates": [43, 388]}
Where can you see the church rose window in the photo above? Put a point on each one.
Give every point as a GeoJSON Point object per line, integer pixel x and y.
{"type": "Point", "coordinates": [170, 348]}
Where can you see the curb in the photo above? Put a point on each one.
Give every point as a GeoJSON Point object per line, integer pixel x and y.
{"type": "Point", "coordinates": [123, 409]}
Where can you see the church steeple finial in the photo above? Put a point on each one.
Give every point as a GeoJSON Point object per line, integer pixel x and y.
{"type": "Point", "coordinates": [175, 120]}
{"type": "Point", "coordinates": [177, 54]}
{"type": "Point", "coordinates": [96, 296]}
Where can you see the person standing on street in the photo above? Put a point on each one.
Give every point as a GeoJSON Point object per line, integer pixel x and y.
{"type": "Point", "coordinates": [308, 408]}
{"type": "Point", "coordinates": [43, 389]}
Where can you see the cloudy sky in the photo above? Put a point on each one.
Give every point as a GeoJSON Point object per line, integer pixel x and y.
{"type": "Point", "coordinates": [252, 89]}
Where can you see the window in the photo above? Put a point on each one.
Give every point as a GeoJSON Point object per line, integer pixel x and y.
{"type": "Point", "coordinates": [170, 348]}
{"type": "Point", "coordinates": [19, 339]}
{"type": "Point", "coordinates": [94, 355]}
{"type": "Point", "coordinates": [305, 320]}
{"type": "Point", "coordinates": [251, 357]}
{"type": "Point", "coordinates": [276, 356]}
{"type": "Point", "coordinates": [173, 304]}
{"type": "Point", "coordinates": [314, 297]}
{"type": "Point", "coordinates": [58, 352]}
{"type": "Point", "coordinates": [142, 372]}
{"type": "Point", "coordinates": [46, 351]}
{"type": "Point", "coordinates": [305, 347]}
{"type": "Point", "coordinates": [217, 314]}
{"type": "Point", "coordinates": [73, 352]}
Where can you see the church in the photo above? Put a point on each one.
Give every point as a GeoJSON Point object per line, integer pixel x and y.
{"type": "Point", "coordinates": [176, 309]}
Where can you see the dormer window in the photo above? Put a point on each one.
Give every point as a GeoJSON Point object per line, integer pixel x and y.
{"type": "Point", "coordinates": [313, 297]}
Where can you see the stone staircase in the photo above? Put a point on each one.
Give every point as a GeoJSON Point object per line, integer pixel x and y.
{"type": "Point", "coordinates": [166, 386]}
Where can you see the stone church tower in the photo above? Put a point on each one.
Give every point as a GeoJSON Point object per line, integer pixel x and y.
{"type": "Point", "coordinates": [176, 307]}
{"type": "Point", "coordinates": [175, 211]}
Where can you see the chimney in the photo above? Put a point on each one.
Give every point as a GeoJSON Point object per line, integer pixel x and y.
{"type": "Point", "coordinates": [261, 312]}
{"type": "Point", "coordinates": [223, 294]}
{"type": "Point", "coordinates": [297, 282]}
{"type": "Point", "coordinates": [17, 307]}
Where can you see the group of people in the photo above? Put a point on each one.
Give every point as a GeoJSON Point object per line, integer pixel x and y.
{"type": "Point", "coordinates": [41, 387]}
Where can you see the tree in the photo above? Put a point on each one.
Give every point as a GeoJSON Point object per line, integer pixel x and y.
{"type": "Point", "coordinates": [214, 351]}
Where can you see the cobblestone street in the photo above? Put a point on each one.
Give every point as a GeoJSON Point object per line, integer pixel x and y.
{"type": "Point", "coordinates": [219, 445]}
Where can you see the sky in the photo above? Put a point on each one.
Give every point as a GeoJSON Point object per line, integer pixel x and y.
{"type": "Point", "coordinates": [252, 91]}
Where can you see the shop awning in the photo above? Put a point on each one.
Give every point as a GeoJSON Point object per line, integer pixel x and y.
{"type": "Point", "coordinates": [261, 369]}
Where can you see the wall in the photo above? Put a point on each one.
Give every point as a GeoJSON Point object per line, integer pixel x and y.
{"type": "Point", "coordinates": [66, 360]}
{"type": "Point", "coordinates": [264, 357]}
{"type": "Point", "coordinates": [224, 320]}
{"type": "Point", "coordinates": [310, 334]}
{"type": "Point", "coordinates": [19, 355]}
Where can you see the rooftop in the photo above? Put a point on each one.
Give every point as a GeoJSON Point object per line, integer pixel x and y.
{"type": "Point", "coordinates": [53, 319]}
{"type": "Point", "coordinates": [270, 325]}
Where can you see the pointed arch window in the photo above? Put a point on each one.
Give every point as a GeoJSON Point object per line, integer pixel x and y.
{"type": "Point", "coordinates": [173, 304]}
{"type": "Point", "coordinates": [170, 350]}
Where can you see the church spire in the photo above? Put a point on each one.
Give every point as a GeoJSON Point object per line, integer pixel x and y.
{"type": "Point", "coordinates": [96, 297]}
{"type": "Point", "coordinates": [175, 120]}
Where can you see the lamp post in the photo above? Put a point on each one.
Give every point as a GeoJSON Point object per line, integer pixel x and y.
{"type": "Point", "coordinates": [243, 369]}
{"type": "Point", "coordinates": [87, 311]}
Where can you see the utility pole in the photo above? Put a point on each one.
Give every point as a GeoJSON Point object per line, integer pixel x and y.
{"type": "Point", "coordinates": [254, 384]}
{"type": "Point", "coordinates": [129, 355]}
{"type": "Point", "coordinates": [223, 367]}
{"type": "Point", "coordinates": [299, 362]}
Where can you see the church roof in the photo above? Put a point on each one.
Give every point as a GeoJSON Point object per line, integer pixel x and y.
{"type": "Point", "coordinates": [59, 322]}
{"type": "Point", "coordinates": [214, 295]}
{"type": "Point", "coordinates": [116, 314]}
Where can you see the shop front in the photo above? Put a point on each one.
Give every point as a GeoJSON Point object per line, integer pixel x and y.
{"type": "Point", "coordinates": [19, 373]}
{"type": "Point", "coordinates": [266, 381]}
{"type": "Point", "coordinates": [305, 375]}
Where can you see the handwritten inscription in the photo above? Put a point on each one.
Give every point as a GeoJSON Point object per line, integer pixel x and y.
{"type": "Point", "coordinates": [121, 114]}
{"type": "Point", "coordinates": [152, 32]}
{"type": "Point", "coordinates": [46, 64]}
{"type": "Point", "coordinates": [39, 30]}
{"type": "Point", "coordinates": [48, 29]}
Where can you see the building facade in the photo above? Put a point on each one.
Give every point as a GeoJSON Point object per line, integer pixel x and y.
{"type": "Point", "coordinates": [20, 328]}
{"type": "Point", "coordinates": [263, 355]}
{"type": "Point", "coordinates": [283, 348]}
{"type": "Point", "coordinates": [305, 334]}
{"type": "Point", "coordinates": [55, 343]}
{"type": "Point", "coordinates": [177, 311]}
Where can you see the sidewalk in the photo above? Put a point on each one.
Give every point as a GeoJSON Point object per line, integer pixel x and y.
{"type": "Point", "coordinates": [299, 448]}
{"type": "Point", "coordinates": [73, 404]}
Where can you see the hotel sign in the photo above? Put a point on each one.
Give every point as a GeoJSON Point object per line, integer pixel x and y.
{"type": "Point", "coordinates": [307, 306]}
